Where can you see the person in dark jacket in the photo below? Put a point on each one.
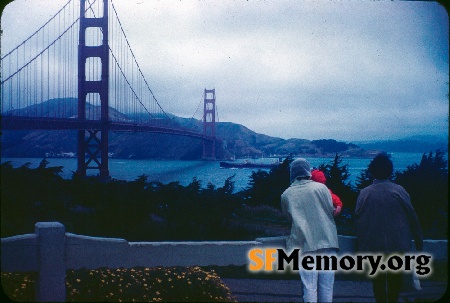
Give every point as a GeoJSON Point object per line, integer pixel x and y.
{"type": "Point", "coordinates": [385, 224]}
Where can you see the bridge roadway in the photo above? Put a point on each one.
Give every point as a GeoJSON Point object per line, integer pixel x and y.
{"type": "Point", "coordinates": [45, 123]}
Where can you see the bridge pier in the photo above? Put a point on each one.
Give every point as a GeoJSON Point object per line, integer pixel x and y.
{"type": "Point", "coordinates": [93, 148]}
{"type": "Point", "coordinates": [209, 124]}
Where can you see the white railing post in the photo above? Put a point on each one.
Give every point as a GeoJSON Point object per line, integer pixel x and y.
{"type": "Point", "coordinates": [51, 282]}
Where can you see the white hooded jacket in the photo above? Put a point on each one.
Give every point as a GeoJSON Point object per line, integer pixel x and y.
{"type": "Point", "coordinates": [308, 205]}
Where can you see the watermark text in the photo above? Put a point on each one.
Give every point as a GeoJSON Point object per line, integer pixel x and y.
{"type": "Point", "coordinates": [270, 259]}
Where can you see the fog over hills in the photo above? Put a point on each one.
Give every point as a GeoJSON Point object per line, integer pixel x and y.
{"type": "Point", "coordinates": [234, 140]}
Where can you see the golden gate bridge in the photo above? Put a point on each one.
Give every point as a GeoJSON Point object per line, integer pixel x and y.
{"type": "Point", "coordinates": [44, 75]}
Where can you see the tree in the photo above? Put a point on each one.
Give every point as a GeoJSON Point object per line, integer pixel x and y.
{"type": "Point", "coordinates": [363, 180]}
{"type": "Point", "coordinates": [427, 185]}
{"type": "Point", "coordinates": [265, 188]}
{"type": "Point", "coordinates": [338, 181]}
{"type": "Point", "coordinates": [29, 195]}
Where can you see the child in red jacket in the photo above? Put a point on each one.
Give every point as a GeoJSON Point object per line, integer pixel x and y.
{"type": "Point", "coordinates": [319, 176]}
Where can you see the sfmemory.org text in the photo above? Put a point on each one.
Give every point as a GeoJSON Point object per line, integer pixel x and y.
{"type": "Point", "coordinates": [264, 259]}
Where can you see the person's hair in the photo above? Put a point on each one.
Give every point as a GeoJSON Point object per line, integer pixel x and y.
{"type": "Point", "coordinates": [381, 166]}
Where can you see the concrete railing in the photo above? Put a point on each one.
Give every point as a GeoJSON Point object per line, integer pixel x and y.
{"type": "Point", "coordinates": [50, 251]}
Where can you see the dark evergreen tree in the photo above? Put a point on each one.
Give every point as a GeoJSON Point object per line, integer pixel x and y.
{"type": "Point", "coordinates": [265, 188]}
{"type": "Point", "coordinates": [338, 181]}
{"type": "Point", "coordinates": [144, 211]}
{"type": "Point", "coordinates": [427, 185]}
{"type": "Point", "coordinates": [363, 180]}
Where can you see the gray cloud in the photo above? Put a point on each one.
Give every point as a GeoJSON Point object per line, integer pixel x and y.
{"type": "Point", "coordinates": [306, 69]}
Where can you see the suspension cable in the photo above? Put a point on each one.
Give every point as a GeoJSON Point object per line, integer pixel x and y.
{"type": "Point", "coordinates": [34, 58]}
{"type": "Point", "coordinates": [200, 103]}
{"type": "Point", "coordinates": [126, 39]}
{"type": "Point", "coordinates": [35, 31]}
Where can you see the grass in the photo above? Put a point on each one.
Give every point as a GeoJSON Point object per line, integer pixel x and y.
{"type": "Point", "coordinates": [138, 284]}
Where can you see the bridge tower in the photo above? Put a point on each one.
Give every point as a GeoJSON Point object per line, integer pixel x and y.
{"type": "Point", "coordinates": [209, 124]}
{"type": "Point", "coordinates": [93, 84]}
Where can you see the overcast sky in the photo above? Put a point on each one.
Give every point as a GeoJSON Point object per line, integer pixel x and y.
{"type": "Point", "coordinates": [344, 70]}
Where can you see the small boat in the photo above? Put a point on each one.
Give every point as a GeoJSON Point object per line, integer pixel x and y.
{"type": "Point", "coordinates": [247, 164]}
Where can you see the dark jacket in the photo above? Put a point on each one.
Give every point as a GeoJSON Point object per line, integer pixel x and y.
{"type": "Point", "coordinates": [385, 220]}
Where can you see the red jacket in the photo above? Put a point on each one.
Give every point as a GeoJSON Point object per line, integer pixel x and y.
{"type": "Point", "coordinates": [319, 176]}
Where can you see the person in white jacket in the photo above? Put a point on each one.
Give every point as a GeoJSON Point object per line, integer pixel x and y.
{"type": "Point", "coordinates": [309, 207]}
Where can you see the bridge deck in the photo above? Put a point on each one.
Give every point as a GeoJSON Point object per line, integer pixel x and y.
{"type": "Point", "coordinates": [44, 123]}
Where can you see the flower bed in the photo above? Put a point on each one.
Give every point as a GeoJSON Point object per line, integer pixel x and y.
{"type": "Point", "coordinates": [161, 284]}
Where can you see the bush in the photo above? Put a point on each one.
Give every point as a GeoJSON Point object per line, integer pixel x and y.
{"type": "Point", "coordinates": [160, 284]}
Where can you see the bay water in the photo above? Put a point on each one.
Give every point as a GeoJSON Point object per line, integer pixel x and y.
{"type": "Point", "coordinates": [184, 172]}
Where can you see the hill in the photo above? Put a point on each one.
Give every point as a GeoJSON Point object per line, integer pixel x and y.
{"type": "Point", "coordinates": [234, 141]}
{"type": "Point", "coordinates": [410, 144]}
{"type": "Point", "coordinates": [238, 141]}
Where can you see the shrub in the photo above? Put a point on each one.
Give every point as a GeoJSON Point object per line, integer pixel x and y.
{"type": "Point", "coordinates": [160, 284]}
